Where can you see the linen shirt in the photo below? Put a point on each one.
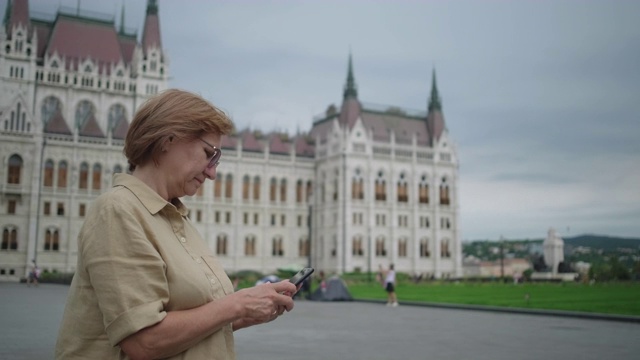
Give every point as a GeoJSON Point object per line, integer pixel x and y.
{"type": "Point", "coordinates": [138, 258]}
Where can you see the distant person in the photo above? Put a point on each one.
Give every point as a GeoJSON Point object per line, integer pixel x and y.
{"type": "Point", "coordinates": [34, 274]}
{"type": "Point", "coordinates": [390, 286]}
{"type": "Point", "coordinates": [147, 286]}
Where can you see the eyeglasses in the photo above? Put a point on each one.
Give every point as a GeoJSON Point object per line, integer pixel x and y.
{"type": "Point", "coordinates": [214, 159]}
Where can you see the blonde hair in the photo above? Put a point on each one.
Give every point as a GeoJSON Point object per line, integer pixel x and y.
{"type": "Point", "coordinates": [171, 114]}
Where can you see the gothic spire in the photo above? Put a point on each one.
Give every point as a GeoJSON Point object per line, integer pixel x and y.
{"type": "Point", "coordinates": [435, 103]}
{"type": "Point", "coordinates": [152, 7]}
{"type": "Point", "coordinates": [122, 19]}
{"type": "Point", "coordinates": [350, 88]}
{"type": "Point", "coordinates": [151, 32]}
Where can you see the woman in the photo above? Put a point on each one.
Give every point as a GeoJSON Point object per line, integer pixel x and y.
{"type": "Point", "coordinates": [146, 285]}
{"type": "Point", "coordinates": [390, 286]}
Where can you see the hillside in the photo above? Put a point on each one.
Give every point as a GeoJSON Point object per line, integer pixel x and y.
{"type": "Point", "coordinates": [607, 243]}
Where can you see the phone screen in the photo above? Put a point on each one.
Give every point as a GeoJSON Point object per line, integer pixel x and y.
{"type": "Point", "coordinates": [298, 278]}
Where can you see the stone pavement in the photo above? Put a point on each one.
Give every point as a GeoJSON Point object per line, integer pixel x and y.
{"type": "Point", "coordinates": [29, 320]}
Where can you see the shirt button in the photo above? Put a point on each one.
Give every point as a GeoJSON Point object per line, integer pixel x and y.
{"type": "Point", "coordinates": [182, 239]}
{"type": "Point", "coordinates": [198, 261]}
{"type": "Point", "coordinates": [213, 281]}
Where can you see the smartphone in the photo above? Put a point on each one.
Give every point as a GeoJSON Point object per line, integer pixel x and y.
{"type": "Point", "coordinates": [298, 278]}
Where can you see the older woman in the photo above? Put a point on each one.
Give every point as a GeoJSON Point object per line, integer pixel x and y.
{"type": "Point", "coordinates": [146, 285]}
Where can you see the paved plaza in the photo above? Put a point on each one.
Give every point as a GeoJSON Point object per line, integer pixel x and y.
{"type": "Point", "coordinates": [29, 320]}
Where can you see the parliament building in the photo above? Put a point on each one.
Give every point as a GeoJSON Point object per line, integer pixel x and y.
{"type": "Point", "coordinates": [367, 185]}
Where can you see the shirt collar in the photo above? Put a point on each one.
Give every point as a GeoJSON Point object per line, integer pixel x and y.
{"type": "Point", "coordinates": [147, 196]}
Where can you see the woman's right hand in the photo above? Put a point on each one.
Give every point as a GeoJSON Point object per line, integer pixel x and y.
{"type": "Point", "coordinates": [265, 302]}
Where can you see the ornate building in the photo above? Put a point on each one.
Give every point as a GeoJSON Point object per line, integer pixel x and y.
{"type": "Point", "coordinates": [380, 183]}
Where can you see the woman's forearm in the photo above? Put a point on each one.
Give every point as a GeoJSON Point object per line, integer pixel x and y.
{"type": "Point", "coordinates": [180, 330]}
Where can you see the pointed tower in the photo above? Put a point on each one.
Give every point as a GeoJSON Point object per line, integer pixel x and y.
{"type": "Point", "coordinates": [435, 119]}
{"type": "Point", "coordinates": [121, 32]}
{"type": "Point", "coordinates": [351, 107]}
{"type": "Point", "coordinates": [350, 88]}
{"type": "Point", "coordinates": [151, 33]}
{"type": "Point", "coordinates": [17, 15]}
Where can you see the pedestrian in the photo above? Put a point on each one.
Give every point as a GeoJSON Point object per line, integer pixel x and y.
{"type": "Point", "coordinates": [147, 286]}
{"type": "Point", "coordinates": [34, 274]}
{"type": "Point", "coordinates": [390, 286]}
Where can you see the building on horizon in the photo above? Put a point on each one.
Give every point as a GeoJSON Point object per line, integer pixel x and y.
{"type": "Point", "coordinates": [365, 186]}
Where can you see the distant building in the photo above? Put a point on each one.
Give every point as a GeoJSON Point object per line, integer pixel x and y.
{"type": "Point", "coordinates": [553, 247]}
{"type": "Point", "coordinates": [514, 267]}
{"type": "Point", "coordinates": [367, 185]}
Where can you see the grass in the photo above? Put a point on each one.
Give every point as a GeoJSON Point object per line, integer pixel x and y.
{"type": "Point", "coordinates": [605, 298]}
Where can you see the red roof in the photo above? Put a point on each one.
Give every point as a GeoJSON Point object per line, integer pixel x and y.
{"type": "Point", "coordinates": [91, 128]}
{"type": "Point", "coordinates": [277, 146]}
{"type": "Point", "coordinates": [127, 46]}
{"type": "Point", "coordinates": [249, 142]}
{"type": "Point", "coordinates": [19, 14]}
{"type": "Point", "coordinates": [121, 128]}
{"type": "Point", "coordinates": [80, 39]}
{"type": "Point", "coordinates": [229, 142]}
{"type": "Point", "coordinates": [151, 33]}
{"type": "Point", "coordinates": [435, 123]}
{"type": "Point", "coordinates": [303, 146]}
{"type": "Point", "coordinates": [57, 125]}
{"type": "Point", "coordinates": [43, 30]}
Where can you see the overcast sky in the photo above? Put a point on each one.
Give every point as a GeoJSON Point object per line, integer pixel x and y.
{"type": "Point", "coordinates": [541, 97]}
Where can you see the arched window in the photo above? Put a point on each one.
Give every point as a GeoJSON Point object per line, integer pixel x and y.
{"type": "Point", "coordinates": [381, 191]}
{"type": "Point", "coordinates": [84, 111]}
{"type": "Point", "coordinates": [283, 190]}
{"type": "Point", "coordinates": [217, 186]}
{"type": "Point", "coordinates": [9, 238]}
{"type": "Point", "coordinates": [83, 181]}
{"type": "Point", "coordinates": [246, 186]}
{"type": "Point", "coordinates": [228, 182]}
{"type": "Point", "coordinates": [15, 169]}
{"type": "Point", "coordinates": [299, 191]}
{"type": "Point", "coordinates": [424, 248]}
{"type": "Point", "coordinates": [62, 174]}
{"type": "Point", "coordinates": [273, 189]}
{"type": "Point", "coordinates": [96, 180]}
{"type": "Point", "coordinates": [50, 107]}
{"type": "Point", "coordinates": [52, 240]}
{"type": "Point", "coordinates": [423, 190]}
{"type": "Point", "coordinates": [356, 246]}
{"type": "Point", "coordinates": [445, 252]}
{"type": "Point", "coordinates": [221, 244]}
{"type": "Point", "coordinates": [309, 190]}
{"type": "Point", "coordinates": [303, 247]}
{"type": "Point", "coordinates": [402, 247]}
{"type": "Point", "coordinates": [250, 245]}
{"type": "Point", "coordinates": [48, 173]}
{"type": "Point", "coordinates": [277, 249]}
{"type": "Point", "coordinates": [117, 112]}
{"type": "Point", "coordinates": [256, 188]}
{"type": "Point", "coordinates": [117, 169]}
{"type": "Point", "coordinates": [444, 192]}
{"type": "Point", "coordinates": [402, 189]}
{"type": "Point", "coordinates": [381, 249]}
{"type": "Point", "coordinates": [357, 186]}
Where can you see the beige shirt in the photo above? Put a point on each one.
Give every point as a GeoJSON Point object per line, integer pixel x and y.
{"type": "Point", "coordinates": [138, 257]}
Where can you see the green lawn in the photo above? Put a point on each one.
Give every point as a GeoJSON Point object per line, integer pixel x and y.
{"type": "Point", "coordinates": [608, 298]}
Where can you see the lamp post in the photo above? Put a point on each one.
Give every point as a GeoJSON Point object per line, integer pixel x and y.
{"type": "Point", "coordinates": [39, 196]}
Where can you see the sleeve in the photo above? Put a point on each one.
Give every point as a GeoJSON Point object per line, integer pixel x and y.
{"type": "Point", "coordinates": [126, 271]}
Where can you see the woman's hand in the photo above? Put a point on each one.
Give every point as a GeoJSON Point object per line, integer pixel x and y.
{"type": "Point", "coordinates": [263, 303]}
